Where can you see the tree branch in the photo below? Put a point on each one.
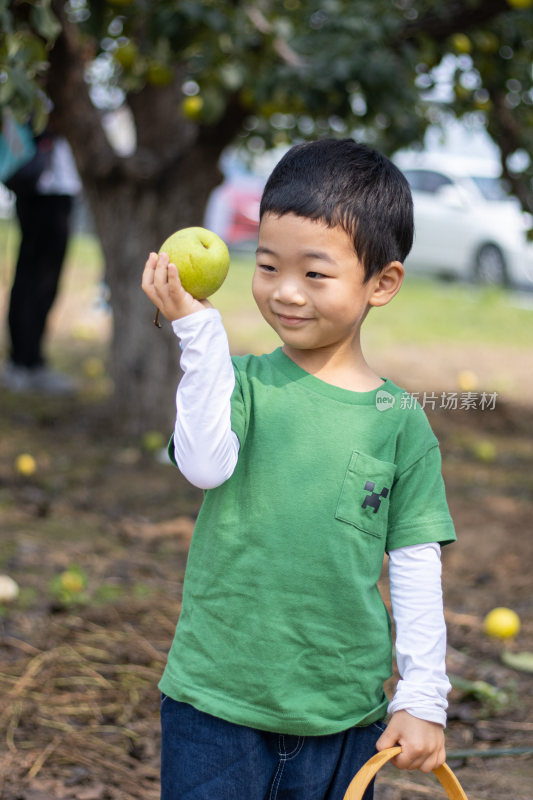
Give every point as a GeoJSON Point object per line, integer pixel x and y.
{"type": "Point", "coordinates": [452, 17]}
{"type": "Point", "coordinates": [507, 134]}
{"type": "Point", "coordinates": [74, 113]}
{"type": "Point", "coordinates": [163, 134]}
{"type": "Point", "coordinates": [217, 137]}
{"type": "Point", "coordinates": [281, 46]}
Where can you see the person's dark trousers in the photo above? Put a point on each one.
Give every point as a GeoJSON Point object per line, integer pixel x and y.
{"type": "Point", "coordinates": [44, 226]}
{"type": "Point", "coordinates": [206, 758]}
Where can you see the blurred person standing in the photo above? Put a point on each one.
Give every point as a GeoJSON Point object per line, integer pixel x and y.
{"type": "Point", "coordinates": [44, 188]}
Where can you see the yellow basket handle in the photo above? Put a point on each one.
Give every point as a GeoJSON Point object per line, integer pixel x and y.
{"type": "Point", "coordinates": [358, 786]}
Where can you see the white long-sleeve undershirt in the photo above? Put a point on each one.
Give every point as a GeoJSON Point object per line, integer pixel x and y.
{"type": "Point", "coordinates": [205, 447]}
{"type": "Point", "coordinates": [206, 451]}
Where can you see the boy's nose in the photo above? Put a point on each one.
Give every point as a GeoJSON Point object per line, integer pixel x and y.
{"type": "Point", "coordinates": [289, 292]}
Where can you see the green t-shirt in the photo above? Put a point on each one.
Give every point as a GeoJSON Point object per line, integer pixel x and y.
{"type": "Point", "coordinates": [282, 625]}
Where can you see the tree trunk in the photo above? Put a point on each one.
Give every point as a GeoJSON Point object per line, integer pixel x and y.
{"type": "Point", "coordinates": [136, 203]}
{"type": "Point", "coordinates": [132, 220]}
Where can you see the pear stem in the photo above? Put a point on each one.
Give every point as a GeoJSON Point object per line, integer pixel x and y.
{"type": "Point", "coordinates": [156, 320]}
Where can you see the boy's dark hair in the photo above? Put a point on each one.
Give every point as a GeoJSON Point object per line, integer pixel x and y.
{"type": "Point", "coordinates": [342, 182]}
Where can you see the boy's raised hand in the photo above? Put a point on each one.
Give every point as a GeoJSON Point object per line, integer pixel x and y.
{"type": "Point", "coordinates": [422, 742]}
{"type": "Point", "coordinates": [161, 283]}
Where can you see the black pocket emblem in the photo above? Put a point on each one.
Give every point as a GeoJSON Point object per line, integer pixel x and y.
{"type": "Point", "coordinates": [374, 499]}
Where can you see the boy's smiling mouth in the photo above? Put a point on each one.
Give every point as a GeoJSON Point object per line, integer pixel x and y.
{"type": "Point", "coordinates": [290, 320]}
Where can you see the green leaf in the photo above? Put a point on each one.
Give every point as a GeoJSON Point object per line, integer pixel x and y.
{"type": "Point", "coordinates": [6, 90]}
{"type": "Point", "coordinates": [232, 76]}
{"type": "Point", "coordinates": [519, 661]}
{"type": "Point", "coordinates": [485, 692]}
{"type": "Point", "coordinates": [45, 22]}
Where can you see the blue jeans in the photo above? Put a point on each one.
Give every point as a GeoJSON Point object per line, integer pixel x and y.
{"type": "Point", "coordinates": [206, 758]}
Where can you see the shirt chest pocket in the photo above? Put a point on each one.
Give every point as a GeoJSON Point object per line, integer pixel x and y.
{"type": "Point", "coordinates": [365, 494]}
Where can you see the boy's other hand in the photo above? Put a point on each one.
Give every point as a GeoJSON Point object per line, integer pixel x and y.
{"type": "Point", "coordinates": [422, 742]}
{"type": "Point", "coordinates": [161, 283]}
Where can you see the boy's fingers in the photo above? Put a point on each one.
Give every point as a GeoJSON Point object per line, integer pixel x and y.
{"type": "Point", "coordinates": [404, 761]}
{"type": "Point", "coordinates": [175, 287]}
{"type": "Point", "coordinates": [149, 268]}
{"type": "Point", "coordinates": [416, 758]}
{"type": "Point", "coordinates": [407, 759]}
{"type": "Point", "coordinates": [173, 276]}
{"type": "Point", "coordinates": [147, 283]}
{"type": "Point", "coordinates": [433, 761]}
{"type": "Point", "coordinates": [161, 272]}
{"type": "Point", "coordinates": [387, 739]}
{"type": "Point", "coordinates": [148, 272]}
{"type": "Point", "coordinates": [161, 283]}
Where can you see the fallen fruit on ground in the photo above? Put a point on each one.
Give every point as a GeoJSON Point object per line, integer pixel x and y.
{"type": "Point", "coordinates": [93, 367]}
{"type": "Point", "coordinates": [25, 464]}
{"type": "Point", "coordinates": [72, 581]}
{"type": "Point", "coordinates": [484, 450]}
{"type": "Point", "coordinates": [152, 441]}
{"type": "Point", "coordinates": [501, 623]}
{"type": "Point", "coordinates": [467, 380]}
{"type": "Point", "coordinates": [9, 589]}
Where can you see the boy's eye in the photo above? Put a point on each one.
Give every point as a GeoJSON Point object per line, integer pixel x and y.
{"type": "Point", "coordinates": [316, 275]}
{"type": "Point", "coordinates": [266, 268]}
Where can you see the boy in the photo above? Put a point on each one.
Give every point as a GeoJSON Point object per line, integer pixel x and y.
{"type": "Point", "coordinates": [274, 683]}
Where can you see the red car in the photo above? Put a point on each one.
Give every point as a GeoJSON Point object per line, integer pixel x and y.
{"type": "Point", "coordinates": [233, 210]}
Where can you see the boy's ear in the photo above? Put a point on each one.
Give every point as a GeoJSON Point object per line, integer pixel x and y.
{"type": "Point", "coordinates": [387, 284]}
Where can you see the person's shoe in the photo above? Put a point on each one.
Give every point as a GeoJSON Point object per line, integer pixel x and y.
{"type": "Point", "coordinates": [46, 381]}
{"type": "Point", "coordinates": [15, 378]}
{"type": "Point", "coordinates": [41, 380]}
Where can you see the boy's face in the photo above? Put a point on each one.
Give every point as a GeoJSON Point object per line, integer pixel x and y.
{"type": "Point", "coordinates": [308, 283]}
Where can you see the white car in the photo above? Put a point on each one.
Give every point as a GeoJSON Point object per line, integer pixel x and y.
{"type": "Point", "coordinates": [466, 226]}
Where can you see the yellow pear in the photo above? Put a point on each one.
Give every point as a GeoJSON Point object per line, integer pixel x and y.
{"type": "Point", "coordinates": [202, 259]}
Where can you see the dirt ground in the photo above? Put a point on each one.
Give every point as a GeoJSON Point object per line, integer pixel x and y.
{"type": "Point", "coordinates": [79, 667]}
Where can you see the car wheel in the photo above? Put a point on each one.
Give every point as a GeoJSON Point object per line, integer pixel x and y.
{"type": "Point", "coordinates": [490, 268]}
